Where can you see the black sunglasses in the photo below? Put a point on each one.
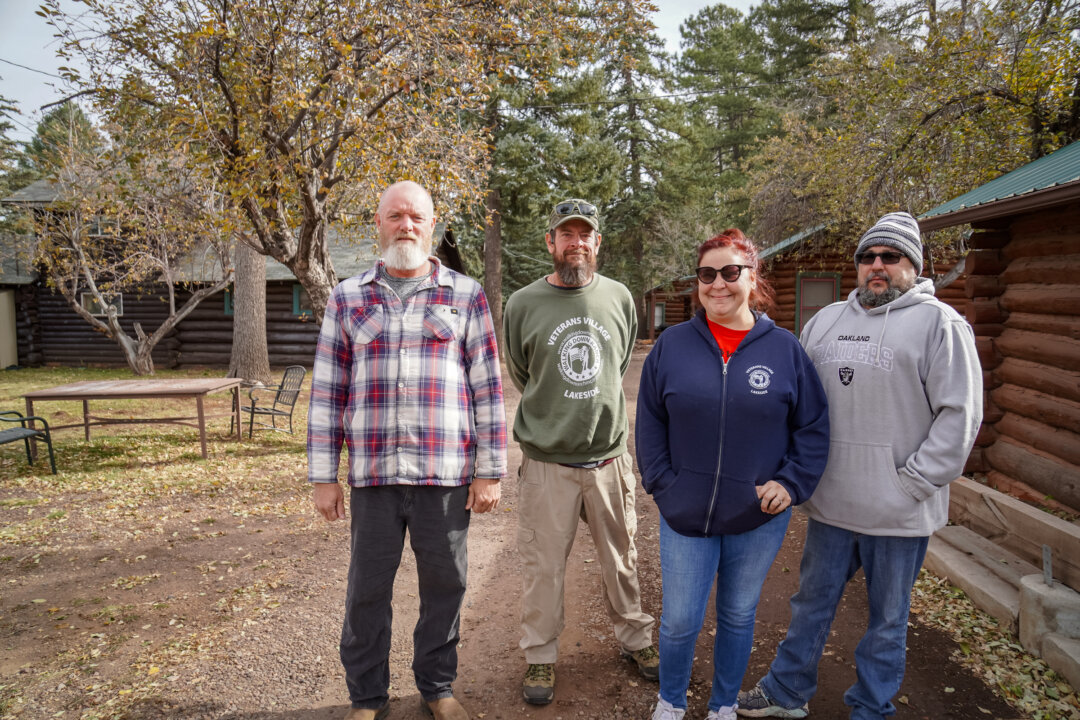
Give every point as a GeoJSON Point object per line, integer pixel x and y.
{"type": "Point", "coordinates": [888, 258]}
{"type": "Point", "coordinates": [575, 207]}
{"type": "Point", "coordinates": [729, 273]}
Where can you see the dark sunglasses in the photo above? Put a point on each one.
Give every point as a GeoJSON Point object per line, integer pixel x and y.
{"type": "Point", "coordinates": [575, 207]}
{"type": "Point", "coordinates": [888, 258]}
{"type": "Point", "coordinates": [729, 273]}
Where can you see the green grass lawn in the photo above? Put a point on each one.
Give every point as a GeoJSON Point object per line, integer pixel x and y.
{"type": "Point", "coordinates": [124, 465]}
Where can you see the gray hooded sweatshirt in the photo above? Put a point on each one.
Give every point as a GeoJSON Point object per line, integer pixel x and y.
{"type": "Point", "coordinates": [905, 403]}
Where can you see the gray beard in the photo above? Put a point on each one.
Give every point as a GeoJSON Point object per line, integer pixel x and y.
{"type": "Point", "coordinates": [404, 256]}
{"type": "Point", "coordinates": [574, 275]}
{"type": "Point", "coordinates": [869, 299]}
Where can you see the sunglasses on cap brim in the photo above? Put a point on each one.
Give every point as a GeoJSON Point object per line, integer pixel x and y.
{"type": "Point", "coordinates": [575, 207]}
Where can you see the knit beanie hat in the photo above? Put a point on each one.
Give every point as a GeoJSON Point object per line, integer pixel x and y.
{"type": "Point", "coordinates": [896, 230]}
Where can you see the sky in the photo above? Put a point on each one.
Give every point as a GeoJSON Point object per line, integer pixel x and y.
{"type": "Point", "coordinates": [26, 40]}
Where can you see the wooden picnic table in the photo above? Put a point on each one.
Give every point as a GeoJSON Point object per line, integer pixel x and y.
{"type": "Point", "coordinates": [180, 388]}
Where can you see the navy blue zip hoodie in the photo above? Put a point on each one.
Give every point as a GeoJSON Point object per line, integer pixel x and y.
{"type": "Point", "coordinates": [707, 432]}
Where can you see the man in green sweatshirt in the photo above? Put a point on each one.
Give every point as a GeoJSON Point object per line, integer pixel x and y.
{"type": "Point", "coordinates": [569, 337]}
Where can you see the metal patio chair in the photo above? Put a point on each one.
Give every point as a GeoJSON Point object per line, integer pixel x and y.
{"type": "Point", "coordinates": [26, 433]}
{"type": "Point", "coordinates": [279, 405]}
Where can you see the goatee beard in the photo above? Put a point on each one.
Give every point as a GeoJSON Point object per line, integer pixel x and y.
{"type": "Point", "coordinates": [869, 299]}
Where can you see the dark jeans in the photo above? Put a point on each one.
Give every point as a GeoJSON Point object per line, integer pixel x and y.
{"type": "Point", "coordinates": [438, 523]}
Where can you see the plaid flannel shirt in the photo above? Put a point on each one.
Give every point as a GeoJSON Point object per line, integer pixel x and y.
{"type": "Point", "coordinates": [414, 389]}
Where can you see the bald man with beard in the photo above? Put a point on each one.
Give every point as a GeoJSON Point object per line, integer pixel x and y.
{"type": "Point", "coordinates": [406, 374]}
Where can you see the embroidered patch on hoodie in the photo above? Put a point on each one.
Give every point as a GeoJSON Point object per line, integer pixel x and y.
{"type": "Point", "coordinates": [759, 377]}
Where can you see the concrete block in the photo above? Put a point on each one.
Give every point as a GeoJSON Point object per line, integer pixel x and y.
{"type": "Point", "coordinates": [989, 592]}
{"type": "Point", "coordinates": [1063, 655]}
{"type": "Point", "coordinates": [1046, 609]}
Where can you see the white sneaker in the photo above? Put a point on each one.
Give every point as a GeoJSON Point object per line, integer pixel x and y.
{"type": "Point", "coordinates": [666, 711]}
{"type": "Point", "coordinates": [723, 714]}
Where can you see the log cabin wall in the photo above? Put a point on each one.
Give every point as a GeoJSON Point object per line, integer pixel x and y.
{"type": "Point", "coordinates": [1025, 307]}
{"type": "Point", "coordinates": [27, 327]}
{"type": "Point", "coordinates": [50, 333]}
{"type": "Point", "coordinates": [675, 299]}
{"type": "Point", "coordinates": [206, 334]}
{"type": "Point", "coordinates": [63, 338]}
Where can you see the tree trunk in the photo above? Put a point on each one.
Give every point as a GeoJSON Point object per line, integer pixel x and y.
{"type": "Point", "coordinates": [493, 260]}
{"type": "Point", "coordinates": [314, 270]}
{"type": "Point", "coordinates": [307, 256]}
{"type": "Point", "coordinates": [136, 352]}
{"type": "Point", "coordinates": [250, 358]}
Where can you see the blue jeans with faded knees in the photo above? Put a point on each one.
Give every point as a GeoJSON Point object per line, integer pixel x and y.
{"type": "Point", "coordinates": [689, 565]}
{"type": "Point", "coordinates": [438, 523]}
{"type": "Point", "coordinates": [831, 557]}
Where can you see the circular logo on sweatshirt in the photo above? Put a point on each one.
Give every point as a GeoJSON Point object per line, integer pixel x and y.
{"type": "Point", "coordinates": [759, 377]}
{"type": "Point", "coordinates": [579, 358]}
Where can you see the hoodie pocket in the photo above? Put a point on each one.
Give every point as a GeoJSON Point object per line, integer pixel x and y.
{"type": "Point", "coordinates": [738, 508]}
{"type": "Point", "coordinates": [861, 488]}
{"type": "Point", "coordinates": [684, 503]}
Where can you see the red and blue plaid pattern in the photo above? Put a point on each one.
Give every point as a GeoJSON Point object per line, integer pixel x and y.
{"type": "Point", "coordinates": [413, 389]}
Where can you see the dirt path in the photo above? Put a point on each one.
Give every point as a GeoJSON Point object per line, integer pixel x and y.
{"type": "Point", "coordinates": [242, 619]}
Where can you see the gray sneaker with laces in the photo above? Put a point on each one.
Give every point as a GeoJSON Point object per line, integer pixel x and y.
{"type": "Point", "coordinates": [755, 703]}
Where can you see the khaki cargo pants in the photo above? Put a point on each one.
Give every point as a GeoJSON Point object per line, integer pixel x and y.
{"type": "Point", "coordinates": [552, 498]}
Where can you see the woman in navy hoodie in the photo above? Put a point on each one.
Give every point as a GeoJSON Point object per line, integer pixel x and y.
{"type": "Point", "coordinates": [732, 430]}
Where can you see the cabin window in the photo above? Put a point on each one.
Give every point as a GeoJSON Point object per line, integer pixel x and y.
{"type": "Point", "coordinates": [228, 301]}
{"type": "Point", "coordinates": [659, 315]}
{"type": "Point", "coordinates": [301, 303]}
{"type": "Point", "coordinates": [101, 226]}
{"type": "Point", "coordinates": [92, 306]}
{"type": "Point", "coordinates": [813, 291]}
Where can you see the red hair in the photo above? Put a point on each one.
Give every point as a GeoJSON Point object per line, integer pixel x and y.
{"type": "Point", "coordinates": [762, 297]}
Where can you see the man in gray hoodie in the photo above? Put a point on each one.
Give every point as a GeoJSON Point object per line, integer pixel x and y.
{"type": "Point", "coordinates": [905, 403]}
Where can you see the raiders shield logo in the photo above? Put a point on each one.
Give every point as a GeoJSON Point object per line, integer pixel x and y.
{"type": "Point", "coordinates": [846, 374]}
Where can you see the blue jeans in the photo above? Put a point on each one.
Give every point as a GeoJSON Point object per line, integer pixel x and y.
{"type": "Point", "coordinates": [688, 565]}
{"type": "Point", "coordinates": [831, 557]}
{"type": "Point", "coordinates": [438, 523]}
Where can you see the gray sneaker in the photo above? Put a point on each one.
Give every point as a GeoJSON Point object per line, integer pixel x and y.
{"type": "Point", "coordinates": [755, 703]}
{"type": "Point", "coordinates": [538, 688]}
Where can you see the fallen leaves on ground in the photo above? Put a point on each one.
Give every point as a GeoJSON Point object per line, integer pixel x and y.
{"type": "Point", "coordinates": [993, 654]}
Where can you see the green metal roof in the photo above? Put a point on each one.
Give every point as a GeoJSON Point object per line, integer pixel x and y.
{"type": "Point", "coordinates": [790, 242]}
{"type": "Point", "coordinates": [1024, 186]}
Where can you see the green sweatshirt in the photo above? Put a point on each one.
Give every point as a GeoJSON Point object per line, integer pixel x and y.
{"type": "Point", "coordinates": [567, 350]}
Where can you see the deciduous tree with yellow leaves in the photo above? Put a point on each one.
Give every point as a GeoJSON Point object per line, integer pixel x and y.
{"type": "Point", "coordinates": [303, 110]}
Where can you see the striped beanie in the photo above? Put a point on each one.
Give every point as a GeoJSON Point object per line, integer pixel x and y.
{"type": "Point", "coordinates": [896, 230]}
